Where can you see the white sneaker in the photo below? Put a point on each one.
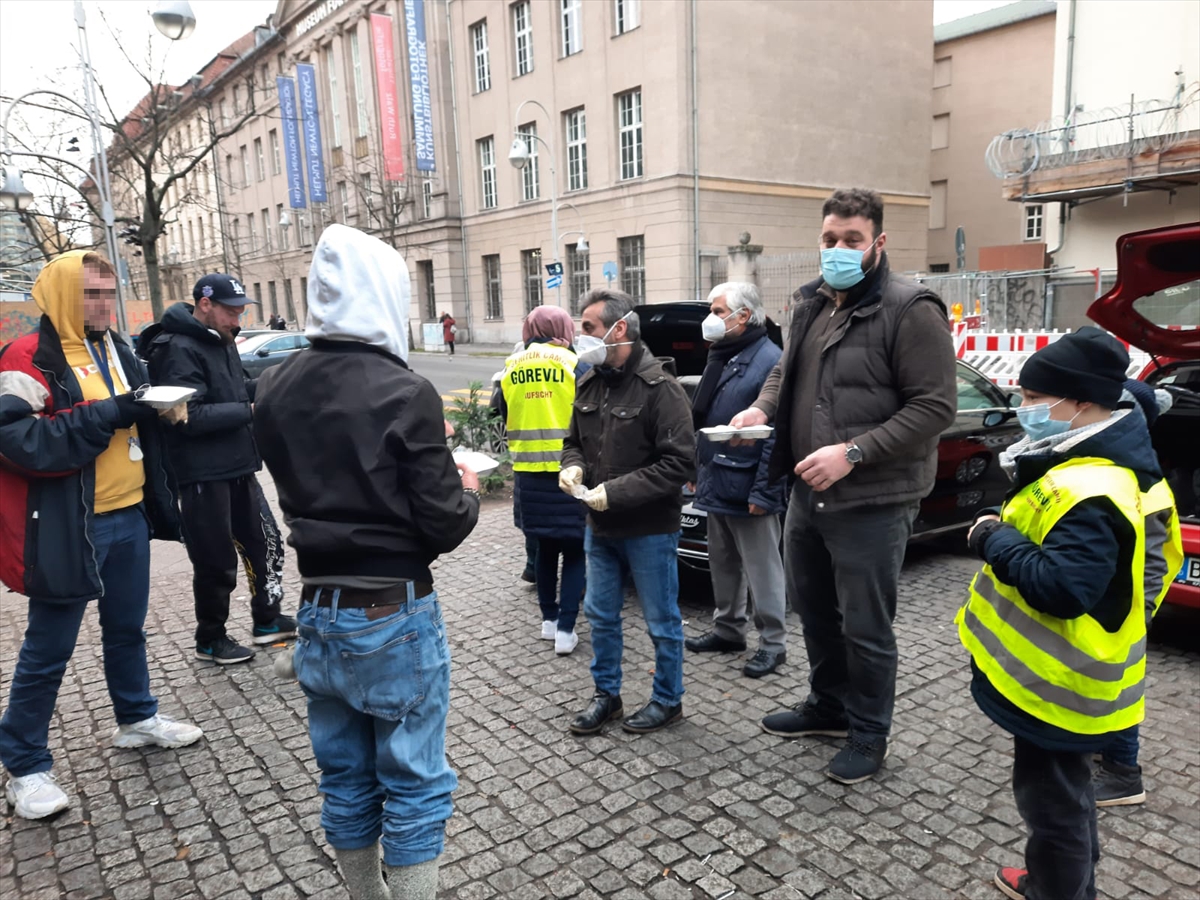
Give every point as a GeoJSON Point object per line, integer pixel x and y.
{"type": "Point", "coordinates": [36, 796]}
{"type": "Point", "coordinates": [548, 629]}
{"type": "Point", "coordinates": [565, 642]}
{"type": "Point", "coordinates": [158, 729]}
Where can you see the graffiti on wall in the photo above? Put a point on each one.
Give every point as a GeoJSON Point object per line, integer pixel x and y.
{"type": "Point", "coordinates": [18, 318]}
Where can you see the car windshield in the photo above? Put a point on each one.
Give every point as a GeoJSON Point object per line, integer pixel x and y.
{"type": "Point", "coordinates": [1178, 306]}
{"type": "Point", "coordinates": [255, 342]}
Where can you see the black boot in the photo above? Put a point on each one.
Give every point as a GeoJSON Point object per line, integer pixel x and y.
{"type": "Point", "coordinates": [604, 708]}
{"type": "Point", "coordinates": [711, 642]}
{"type": "Point", "coordinates": [652, 717]}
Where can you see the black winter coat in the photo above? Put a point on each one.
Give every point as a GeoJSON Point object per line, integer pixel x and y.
{"type": "Point", "coordinates": [217, 441]}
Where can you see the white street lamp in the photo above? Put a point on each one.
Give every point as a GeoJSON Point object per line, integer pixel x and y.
{"type": "Point", "coordinates": [14, 194]}
{"type": "Point", "coordinates": [174, 19]}
{"type": "Point", "coordinates": [518, 153]}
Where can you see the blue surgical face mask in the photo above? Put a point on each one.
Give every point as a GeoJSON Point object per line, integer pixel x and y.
{"type": "Point", "coordinates": [842, 268]}
{"type": "Point", "coordinates": [1037, 423]}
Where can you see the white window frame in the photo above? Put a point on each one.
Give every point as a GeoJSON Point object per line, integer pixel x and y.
{"type": "Point", "coordinates": [427, 199]}
{"type": "Point", "coordinates": [266, 221]}
{"type": "Point", "coordinates": [571, 25]}
{"type": "Point", "coordinates": [631, 254]}
{"type": "Point", "coordinates": [626, 16]}
{"type": "Point", "coordinates": [360, 93]}
{"type": "Point", "coordinates": [522, 38]}
{"type": "Point", "coordinates": [531, 183]}
{"type": "Point", "coordinates": [283, 232]}
{"type": "Point", "coordinates": [276, 157]}
{"type": "Point", "coordinates": [576, 133]}
{"type": "Point", "coordinates": [253, 233]}
{"type": "Point", "coordinates": [531, 277]}
{"type": "Point", "coordinates": [487, 173]}
{"type": "Point", "coordinates": [483, 62]}
{"type": "Point", "coordinates": [1035, 222]}
{"type": "Point", "coordinates": [260, 160]}
{"type": "Point", "coordinates": [493, 298]}
{"type": "Point", "coordinates": [629, 123]}
{"type": "Point", "coordinates": [245, 152]}
{"type": "Point", "coordinates": [344, 200]}
{"type": "Point", "coordinates": [579, 278]}
{"type": "Point", "coordinates": [335, 115]}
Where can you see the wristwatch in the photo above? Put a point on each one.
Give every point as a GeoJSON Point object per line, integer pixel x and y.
{"type": "Point", "coordinates": [853, 453]}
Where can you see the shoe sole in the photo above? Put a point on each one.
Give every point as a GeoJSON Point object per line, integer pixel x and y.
{"type": "Point", "coordinates": [817, 732]}
{"type": "Point", "coordinates": [840, 780]}
{"type": "Point", "coordinates": [633, 729]}
{"type": "Point", "coordinates": [565, 652]}
{"type": "Point", "coordinates": [741, 649]}
{"type": "Point", "coordinates": [26, 813]}
{"type": "Point", "coordinates": [132, 742]}
{"type": "Point", "coordinates": [619, 714]}
{"type": "Point", "coordinates": [263, 639]}
{"type": "Point", "coordinates": [1131, 800]}
{"type": "Point", "coordinates": [770, 671]}
{"type": "Point", "coordinates": [223, 662]}
{"type": "Point", "coordinates": [1005, 889]}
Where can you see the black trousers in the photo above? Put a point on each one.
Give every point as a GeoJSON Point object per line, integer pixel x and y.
{"type": "Point", "coordinates": [1056, 799]}
{"type": "Point", "coordinates": [222, 521]}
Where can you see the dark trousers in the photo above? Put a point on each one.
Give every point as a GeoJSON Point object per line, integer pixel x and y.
{"type": "Point", "coordinates": [842, 569]}
{"type": "Point", "coordinates": [1056, 799]}
{"type": "Point", "coordinates": [1122, 749]}
{"type": "Point", "coordinates": [563, 608]}
{"type": "Point", "coordinates": [224, 520]}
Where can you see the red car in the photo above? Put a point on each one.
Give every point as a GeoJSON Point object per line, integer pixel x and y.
{"type": "Point", "coordinates": [1155, 306]}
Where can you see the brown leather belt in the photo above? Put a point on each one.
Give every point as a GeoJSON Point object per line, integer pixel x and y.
{"type": "Point", "coordinates": [360, 598]}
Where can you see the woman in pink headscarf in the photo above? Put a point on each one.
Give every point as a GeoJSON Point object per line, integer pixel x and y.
{"type": "Point", "coordinates": [538, 397]}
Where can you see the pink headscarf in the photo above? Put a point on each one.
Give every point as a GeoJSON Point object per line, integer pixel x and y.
{"type": "Point", "coordinates": [549, 322]}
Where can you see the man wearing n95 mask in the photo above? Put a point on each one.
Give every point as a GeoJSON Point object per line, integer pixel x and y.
{"type": "Point", "coordinates": [631, 440]}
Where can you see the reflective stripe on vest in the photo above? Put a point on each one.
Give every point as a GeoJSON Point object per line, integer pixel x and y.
{"type": "Point", "coordinates": [539, 391]}
{"type": "Point", "coordinates": [1070, 673]}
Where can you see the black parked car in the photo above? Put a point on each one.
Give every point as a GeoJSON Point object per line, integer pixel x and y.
{"type": "Point", "coordinates": [261, 351]}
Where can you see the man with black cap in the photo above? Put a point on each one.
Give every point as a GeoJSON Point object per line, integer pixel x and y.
{"type": "Point", "coordinates": [225, 514]}
{"type": "Point", "coordinates": [1056, 620]}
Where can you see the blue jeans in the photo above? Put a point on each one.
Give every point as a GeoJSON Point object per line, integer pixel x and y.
{"type": "Point", "coordinates": [378, 693]}
{"type": "Point", "coordinates": [1122, 749]}
{"type": "Point", "coordinates": [560, 605]}
{"type": "Point", "coordinates": [122, 543]}
{"type": "Point", "coordinates": [650, 560]}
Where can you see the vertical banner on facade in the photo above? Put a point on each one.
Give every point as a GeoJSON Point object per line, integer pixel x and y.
{"type": "Point", "coordinates": [291, 140]}
{"type": "Point", "coordinates": [389, 102]}
{"type": "Point", "coordinates": [418, 76]}
{"type": "Point", "coordinates": [306, 80]}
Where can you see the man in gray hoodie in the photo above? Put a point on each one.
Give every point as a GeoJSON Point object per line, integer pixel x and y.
{"type": "Point", "coordinates": [371, 495]}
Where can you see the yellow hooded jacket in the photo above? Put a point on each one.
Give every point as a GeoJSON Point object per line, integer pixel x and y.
{"type": "Point", "coordinates": [58, 293]}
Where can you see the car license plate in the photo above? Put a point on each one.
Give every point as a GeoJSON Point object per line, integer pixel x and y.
{"type": "Point", "coordinates": [1189, 572]}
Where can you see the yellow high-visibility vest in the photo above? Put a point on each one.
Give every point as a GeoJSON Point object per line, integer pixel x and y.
{"type": "Point", "coordinates": [539, 390]}
{"type": "Point", "coordinates": [1164, 544]}
{"type": "Point", "coordinates": [1070, 673]}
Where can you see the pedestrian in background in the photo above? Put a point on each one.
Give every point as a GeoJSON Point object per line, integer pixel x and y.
{"type": "Point", "coordinates": [83, 488]}
{"type": "Point", "coordinates": [733, 485]}
{"type": "Point", "coordinates": [225, 514]}
{"type": "Point", "coordinates": [449, 330]}
{"type": "Point", "coordinates": [631, 439]}
{"type": "Point", "coordinates": [1056, 620]}
{"type": "Point", "coordinates": [356, 443]}
{"type": "Point", "coordinates": [539, 394]}
{"type": "Point", "coordinates": [859, 401]}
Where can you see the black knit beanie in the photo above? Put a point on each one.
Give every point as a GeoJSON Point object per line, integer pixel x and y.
{"type": "Point", "coordinates": [1087, 366]}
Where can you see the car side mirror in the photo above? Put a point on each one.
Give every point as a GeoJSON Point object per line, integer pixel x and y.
{"type": "Point", "coordinates": [262, 351]}
{"type": "Point", "coordinates": [992, 419]}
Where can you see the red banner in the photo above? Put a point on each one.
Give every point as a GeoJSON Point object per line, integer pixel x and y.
{"type": "Point", "coordinates": [389, 101]}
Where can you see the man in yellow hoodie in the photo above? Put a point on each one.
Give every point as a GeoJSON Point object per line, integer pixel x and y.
{"type": "Point", "coordinates": [83, 488]}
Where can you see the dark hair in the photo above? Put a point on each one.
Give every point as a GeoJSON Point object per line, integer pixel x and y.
{"type": "Point", "coordinates": [849, 202]}
{"type": "Point", "coordinates": [617, 304]}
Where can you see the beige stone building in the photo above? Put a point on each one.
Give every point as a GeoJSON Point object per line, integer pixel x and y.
{"type": "Point", "coordinates": [990, 70]}
{"type": "Point", "coordinates": [672, 127]}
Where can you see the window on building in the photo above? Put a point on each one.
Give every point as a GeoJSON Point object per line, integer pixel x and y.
{"type": "Point", "coordinates": [626, 15]}
{"type": "Point", "coordinates": [631, 252]}
{"type": "Point", "coordinates": [335, 116]}
{"type": "Point", "coordinates": [493, 309]}
{"type": "Point", "coordinates": [938, 268]}
{"type": "Point", "coordinates": [368, 196]}
{"type": "Point", "coordinates": [579, 278]}
{"type": "Point", "coordinates": [1033, 222]}
{"type": "Point", "coordinates": [237, 100]}
{"type": "Point", "coordinates": [572, 26]}
{"type": "Point", "coordinates": [201, 245]}
{"type": "Point", "coordinates": [214, 236]}
{"type": "Point", "coordinates": [304, 292]}
{"type": "Point", "coordinates": [530, 183]}
{"type": "Point", "coordinates": [397, 202]}
{"type": "Point", "coordinates": [260, 162]}
{"type": "Point", "coordinates": [941, 72]}
{"type": "Point", "coordinates": [577, 176]}
{"type": "Point", "coordinates": [304, 230]}
{"type": "Point", "coordinates": [427, 199]}
{"type": "Point", "coordinates": [360, 93]}
{"type": "Point", "coordinates": [229, 170]}
{"type": "Point", "coordinates": [237, 236]}
{"type": "Point", "coordinates": [531, 270]}
{"type": "Point", "coordinates": [191, 233]}
{"type": "Point", "coordinates": [941, 131]}
{"type": "Point", "coordinates": [273, 298]}
{"type": "Point", "coordinates": [223, 111]}
{"type": "Point", "coordinates": [283, 232]}
{"type": "Point", "coordinates": [267, 229]}
{"type": "Point", "coordinates": [483, 65]}
{"type": "Point", "coordinates": [937, 204]}
{"type": "Point", "coordinates": [522, 38]}
{"type": "Point", "coordinates": [258, 291]}
{"type": "Point", "coordinates": [487, 172]}
{"type": "Point", "coordinates": [245, 165]}
{"type": "Point", "coordinates": [344, 201]}
{"type": "Point", "coordinates": [252, 230]}
{"type": "Point", "coordinates": [629, 121]}
{"type": "Point", "coordinates": [276, 158]}
{"type": "Point", "coordinates": [425, 271]}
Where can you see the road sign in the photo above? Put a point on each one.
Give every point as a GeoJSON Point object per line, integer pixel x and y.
{"type": "Point", "coordinates": [610, 271]}
{"type": "Point", "coordinates": [554, 280]}
{"type": "Point", "coordinates": [554, 268]}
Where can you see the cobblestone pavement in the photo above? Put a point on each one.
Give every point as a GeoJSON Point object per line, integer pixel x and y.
{"type": "Point", "coordinates": [711, 808]}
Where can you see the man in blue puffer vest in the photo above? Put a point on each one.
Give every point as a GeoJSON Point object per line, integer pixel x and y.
{"type": "Point", "coordinates": [732, 485]}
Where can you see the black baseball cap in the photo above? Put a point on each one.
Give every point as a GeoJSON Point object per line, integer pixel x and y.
{"type": "Point", "coordinates": [223, 289]}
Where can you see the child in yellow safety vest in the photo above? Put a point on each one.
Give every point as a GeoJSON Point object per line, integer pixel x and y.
{"type": "Point", "coordinates": [1056, 620]}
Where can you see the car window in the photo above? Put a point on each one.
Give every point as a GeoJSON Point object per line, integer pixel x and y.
{"type": "Point", "coordinates": [1175, 305]}
{"type": "Point", "coordinates": [281, 345]}
{"type": "Point", "coordinates": [975, 391]}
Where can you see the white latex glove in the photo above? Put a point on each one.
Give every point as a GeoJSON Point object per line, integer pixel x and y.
{"type": "Point", "coordinates": [597, 498]}
{"type": "Point", "coordinates": [570, 478]}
